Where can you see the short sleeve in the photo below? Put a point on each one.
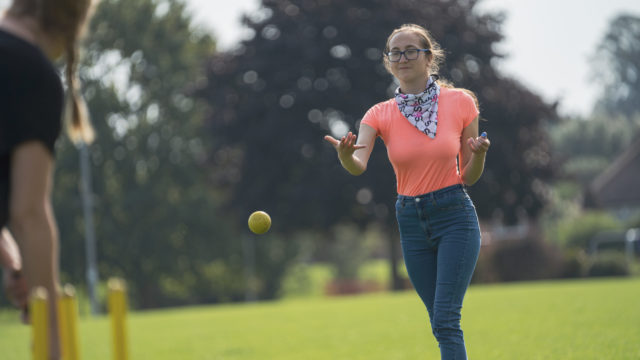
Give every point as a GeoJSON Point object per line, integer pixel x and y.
{"type": "Point", "coordinates": [468, 108]}
{"type": "Point", "coordinates": [38, 111]}
{"type": "Point", "coordinates": [372, 118]}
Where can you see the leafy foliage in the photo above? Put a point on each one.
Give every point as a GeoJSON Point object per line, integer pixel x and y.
{"type": "Point", "coordinates": [579, 231]}
{"type": "Point", "coordinates": [609, 264]}
{"type": "Point", "coordinates": [156, 213]}
{"type": "Point", "coordinates": [585, 147]}
{"type": "Point", "coordinates": [617, 66]}
{"type": "Point", "coordinates": [315, 67]}
{"type": "Point", "coordinates": [171, 189]}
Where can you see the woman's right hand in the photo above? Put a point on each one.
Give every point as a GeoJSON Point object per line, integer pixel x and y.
{"type": "Point", "coordinates": [356, 163]}
{"type": "Point", "coordinates": [15, 287]}
{"type": "Point", "coordinates": [346, 146]}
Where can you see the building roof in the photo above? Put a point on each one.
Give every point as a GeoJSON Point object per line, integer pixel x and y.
{"type": "Point", "coordinates": [619, 184]}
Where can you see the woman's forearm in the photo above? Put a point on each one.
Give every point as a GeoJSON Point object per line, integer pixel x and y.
{"type": "Point", "coordinates": [474, 168]}
{"type": "Point", "coordinates": [36, 234]}
{"type": "Point", "coordinates": [352, 164]}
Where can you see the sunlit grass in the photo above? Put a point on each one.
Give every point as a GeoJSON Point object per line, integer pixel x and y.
{"type": "Point", "coordinates": [585, 319]}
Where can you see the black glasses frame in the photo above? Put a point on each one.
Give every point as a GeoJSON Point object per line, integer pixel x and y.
{"type": "Point", "coordinates": [396, 55]}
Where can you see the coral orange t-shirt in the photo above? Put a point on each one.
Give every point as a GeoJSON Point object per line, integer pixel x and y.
{"type": "Point", "coordinates": [423, 164]}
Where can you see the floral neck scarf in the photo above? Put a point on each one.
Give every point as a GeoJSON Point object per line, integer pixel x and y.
{"type": "Point", "coordinates": [421, 109]}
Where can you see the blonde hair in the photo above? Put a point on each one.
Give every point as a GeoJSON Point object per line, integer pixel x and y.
{"type": "Point", "coordinates": [66, 19]}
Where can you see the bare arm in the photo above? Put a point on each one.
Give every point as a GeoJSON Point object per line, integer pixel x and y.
{"type": "Point", "coordinates": [15, 285]}
{"type": "Point", "coordinates": [355, 156]}
{"type": "Point", "coordinates": [9, 253]}
{"type": "Point", "coordinates": [474, 150]}
{"type": "Point", "coordinates": [32, 224]}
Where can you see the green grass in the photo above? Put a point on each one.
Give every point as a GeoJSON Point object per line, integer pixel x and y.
{"type": "Point", "coordinates": [311, 280]}
{"type": "Point", "coordinates": [586, 319]}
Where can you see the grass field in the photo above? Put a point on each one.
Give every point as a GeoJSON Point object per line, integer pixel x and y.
{"type": "Point", "coordinates": [585, 319]}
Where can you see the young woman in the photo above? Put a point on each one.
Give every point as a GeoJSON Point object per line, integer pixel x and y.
{"type": "Point", "coordinates": [33, 33]}
{"type": "Point", "coordinates": [431, 133]}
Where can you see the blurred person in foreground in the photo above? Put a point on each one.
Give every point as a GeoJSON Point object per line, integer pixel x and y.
{"type": "Point", "coordinates": [34, 34]}
{"type": "Point", "coordinates": [430, 130]}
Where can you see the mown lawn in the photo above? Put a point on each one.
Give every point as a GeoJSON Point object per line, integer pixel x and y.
{"type": "Point", "coordinates": [584, 319]}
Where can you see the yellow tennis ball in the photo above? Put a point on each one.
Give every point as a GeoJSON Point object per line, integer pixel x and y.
{"type": "Point", "coordinates": [259, 222]}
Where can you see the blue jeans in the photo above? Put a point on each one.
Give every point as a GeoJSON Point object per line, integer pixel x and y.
{"type": "Point", "coordinates": [440, 239]}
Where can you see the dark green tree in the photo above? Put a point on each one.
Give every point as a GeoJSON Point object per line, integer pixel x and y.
{"type": "Point", "coordinates": [156, 211]}
{"type": "Point", "coordinates": [314, 67]}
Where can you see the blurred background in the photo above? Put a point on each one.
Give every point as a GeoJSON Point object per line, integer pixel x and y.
{"type": "Point", "coordinates": [208, 110]}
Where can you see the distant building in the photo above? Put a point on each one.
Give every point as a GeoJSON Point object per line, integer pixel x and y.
{"type": "Point", "coordinates": [617, 189]}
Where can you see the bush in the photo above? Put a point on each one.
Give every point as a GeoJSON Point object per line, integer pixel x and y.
{"type": "Point", "coordinates": [575, 264]}
{"type": "Point", "coordinates": [484, 272]}
{"type": "Point", "coordinates": [634, 220]}
{"type": "Point", "coordinates": [518, 260]}
{"type": "Point", "coordinates": [609, 264]}
{"type": "Point", "coordinates": [577, 233]}
{"type": "Point", "coordinates": [527, 260]}
{"type": "Point", "coordinates": [350, 248]}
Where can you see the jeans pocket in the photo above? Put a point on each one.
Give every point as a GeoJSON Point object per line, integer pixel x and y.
{"type": "Point", "coordinates": [405, 208]}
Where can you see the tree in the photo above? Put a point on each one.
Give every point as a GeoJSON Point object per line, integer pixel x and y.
{"type": "Point", "coordinates": [314, 67]}
{"type": "Point", "coordinates": [156, 212]}
{"type": "Point", "coordinates": [617, 66]}
{"type": "Point", "coordinates": [586, 146]}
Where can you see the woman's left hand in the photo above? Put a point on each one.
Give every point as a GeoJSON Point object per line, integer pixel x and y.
{"type": "Point", "coordinates": [479, 145]}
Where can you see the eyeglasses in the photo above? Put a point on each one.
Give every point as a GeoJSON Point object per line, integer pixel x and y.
{"type": "Point", "coordinates": [409, 54]}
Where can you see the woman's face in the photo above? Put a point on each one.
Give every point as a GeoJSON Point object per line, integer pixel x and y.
{"type": "Point", "coordinates": [409, 70]}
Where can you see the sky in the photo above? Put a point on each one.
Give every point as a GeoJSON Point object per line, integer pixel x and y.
{"type": "Point", "coordinates": [549, 43]}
